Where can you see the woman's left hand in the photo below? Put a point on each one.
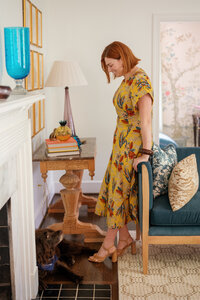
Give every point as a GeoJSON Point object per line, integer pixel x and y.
{"type": "Point", "coordinates": [138, 160]}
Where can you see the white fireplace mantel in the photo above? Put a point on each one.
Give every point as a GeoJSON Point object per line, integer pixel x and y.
{"type": "Point", "coordinates": [16, 183]}
{"type": "Point", "coordinates": [19, 102]}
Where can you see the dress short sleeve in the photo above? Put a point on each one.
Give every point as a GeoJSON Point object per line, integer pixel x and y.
{"type": "Point", "coordinates": [140, 87]}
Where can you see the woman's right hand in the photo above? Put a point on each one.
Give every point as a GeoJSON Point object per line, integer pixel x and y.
{"type": "Point", "coordinates": [137, 160]}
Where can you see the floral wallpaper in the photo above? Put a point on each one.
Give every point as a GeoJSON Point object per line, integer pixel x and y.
{"type": "Point", "coordinates": [180, 76]}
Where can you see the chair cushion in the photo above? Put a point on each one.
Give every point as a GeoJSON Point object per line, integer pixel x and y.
{"type": "Point", "coordinates": [163, 162]}
{"type": "Point", "coordinates": [174, 230]}
{"type": "Point", "coordinates": [162, 214]}
{"type": "Point", "coordinates": [183, 182]}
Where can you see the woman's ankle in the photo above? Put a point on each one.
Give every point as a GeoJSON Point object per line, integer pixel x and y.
{"type": "Point", "coordinates": [108, 242]}
{"type": "Point", "coordinates": [125, 237]}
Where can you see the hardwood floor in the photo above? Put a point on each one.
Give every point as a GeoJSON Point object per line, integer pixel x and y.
{"type": "Point", "coordinates": [102, 273]}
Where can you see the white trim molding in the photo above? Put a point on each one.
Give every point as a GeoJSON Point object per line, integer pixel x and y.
{"type": "Point", "coordinates": [16, 183]}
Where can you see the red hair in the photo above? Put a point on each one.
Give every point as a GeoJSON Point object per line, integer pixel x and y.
{"type": "Point", "coordinates": [119, 50]}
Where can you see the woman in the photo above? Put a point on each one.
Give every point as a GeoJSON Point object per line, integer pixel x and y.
{"type": "Point", "coordinates": [133, 103]}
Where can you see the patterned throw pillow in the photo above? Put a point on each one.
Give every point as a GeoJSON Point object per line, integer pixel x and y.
{"type": "Point", "coordinates": [183, 182]}
{"type": "Point", "coordinates": [163, 162]}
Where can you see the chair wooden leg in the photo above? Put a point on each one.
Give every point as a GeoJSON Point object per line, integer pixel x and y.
{"type": "Point", "coordinates": [137, 232]}
{"type": "Point", "coordinates": [145, 218]}
{"type": "Point", "coordinates": [145, 256]}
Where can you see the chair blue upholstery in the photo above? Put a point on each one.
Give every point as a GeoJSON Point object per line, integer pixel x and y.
{"type": "Point", "coordinates": [165, 140]}
{"type": "Point", "coordinates": [158, 224]}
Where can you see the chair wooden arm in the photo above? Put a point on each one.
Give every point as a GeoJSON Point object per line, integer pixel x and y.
{"type": "Point", "coordinates": [145, 217]}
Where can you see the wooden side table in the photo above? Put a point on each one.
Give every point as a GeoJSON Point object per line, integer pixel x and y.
{"type": "Point", "coordinates": [72, 196]}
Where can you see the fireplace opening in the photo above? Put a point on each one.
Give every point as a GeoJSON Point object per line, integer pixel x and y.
{"type": "Point", "coordinates": [5, 253]}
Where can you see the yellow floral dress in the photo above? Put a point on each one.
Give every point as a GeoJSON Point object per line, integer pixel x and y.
{"type": "Point", "coordinates": [118, 194]}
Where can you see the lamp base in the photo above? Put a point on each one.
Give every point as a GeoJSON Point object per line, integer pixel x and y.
{"type": "Point", "coordinates": [68, 112]}
{"type": "Point", "coordinates": [19, 89]}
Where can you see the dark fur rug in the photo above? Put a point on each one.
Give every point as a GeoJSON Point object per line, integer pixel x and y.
{"type": "Point", "coordinates": [55, 254]}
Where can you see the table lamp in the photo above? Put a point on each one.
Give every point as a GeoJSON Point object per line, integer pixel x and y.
{"type": "Point", "coordinates": [66, 74]}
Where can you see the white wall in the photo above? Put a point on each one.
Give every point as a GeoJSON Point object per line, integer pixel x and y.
{"type": "Point", "coordinates": [11, 15]}
{"type": "Point", "coordinates": [43, 192]}
{"type": "Point", "coordinates": [79, 30]}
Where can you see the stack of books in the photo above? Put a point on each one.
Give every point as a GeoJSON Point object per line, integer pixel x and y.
{"type": "Point", "coordinates": [62, 148]}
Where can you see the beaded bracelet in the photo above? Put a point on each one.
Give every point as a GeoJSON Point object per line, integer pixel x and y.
{"type": "Point", "coordinates": [146, 151]}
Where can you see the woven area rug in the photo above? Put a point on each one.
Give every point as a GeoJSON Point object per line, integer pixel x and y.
{"type": "Point", "coordinates": [173, 273]}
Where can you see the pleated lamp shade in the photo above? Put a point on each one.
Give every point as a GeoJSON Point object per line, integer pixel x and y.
{"type": "Point", "coordinates": [65, 74]}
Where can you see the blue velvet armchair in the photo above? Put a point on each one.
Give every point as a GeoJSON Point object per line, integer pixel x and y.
{"type": "Point", "coordinates": [158, 224]}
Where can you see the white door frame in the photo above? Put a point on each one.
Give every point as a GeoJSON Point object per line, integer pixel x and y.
{"type": "Point", "coordinates": [156, 59]}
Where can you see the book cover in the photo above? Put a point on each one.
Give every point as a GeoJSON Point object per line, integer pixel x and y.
{"type": "Point", "coordinates": [55, 154]}
{"type": "Point", "coordinates": [70, 142]}
{"type": "Point", "coordinates": [62, 148]}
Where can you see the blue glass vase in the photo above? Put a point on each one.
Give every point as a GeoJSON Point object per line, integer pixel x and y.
{"type": "Point", "coordinates": [17, 54]}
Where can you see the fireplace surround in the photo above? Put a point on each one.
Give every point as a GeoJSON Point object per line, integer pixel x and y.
{"type": "Point", "coordinates": [5, 260]}
{"type": "Point", "coordinates": [16, 184]}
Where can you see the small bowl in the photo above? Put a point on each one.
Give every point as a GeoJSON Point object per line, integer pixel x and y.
{"type": "Point", "coordinates": [63, 137]}
{"type": "Point", "coordinates": [4, 92]}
